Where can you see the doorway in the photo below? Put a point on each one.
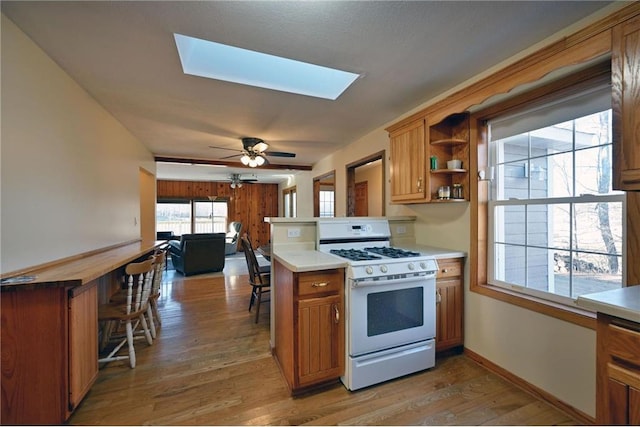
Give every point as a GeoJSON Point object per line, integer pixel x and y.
{"type": "Point", "coordinates": [369, 170]}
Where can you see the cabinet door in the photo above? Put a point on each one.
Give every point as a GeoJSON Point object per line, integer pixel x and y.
{"type": "Point", "coordinates": [448, 314]}
{"type": "Point", "coordinates": [449, 304]}
{"type": "Point", "coordinates": [634, 406]}
{"type": "Point", "coordinates": [83, 341]}
{"type": "Point", "coordinates": [320, 339]}
{"type": "Point", "coordinates": [625, 79]}
{"type": "Point", "coordinates": [407, 145]}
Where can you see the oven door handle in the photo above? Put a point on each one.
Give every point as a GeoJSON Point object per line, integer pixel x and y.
{"type": "Point", "coordinates": [360, 283]}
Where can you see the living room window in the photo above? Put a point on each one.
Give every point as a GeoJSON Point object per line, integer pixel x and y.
{"type": "Point", "coordinates": [191, 216]}
{"type": "Point", "coordinates": [210, 216]}
{"type": "Point", "coordinates": [555, 227]}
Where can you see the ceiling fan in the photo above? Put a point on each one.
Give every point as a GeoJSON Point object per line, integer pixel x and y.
{"type": "Point", "coordinates": [237, 181]}
{"type": "Point", "coordinates": [254, 152]}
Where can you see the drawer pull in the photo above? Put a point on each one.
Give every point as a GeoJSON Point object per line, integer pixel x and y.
{"type": "Point", "coordinates": [319, 284]}
{"type": "Point", "coordinates": [444, 270]}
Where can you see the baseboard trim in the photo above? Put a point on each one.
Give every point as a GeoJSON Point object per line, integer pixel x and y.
{"type": "Point", "coordinates": [577, 414]}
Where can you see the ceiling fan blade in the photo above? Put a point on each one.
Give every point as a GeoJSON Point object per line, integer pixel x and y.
{"type": "Point", "coordinates": [223, 148]}
{"type": "Point", "coordinates": [278, 154]}
{"type": "Point", "coordinates": [233, 155]}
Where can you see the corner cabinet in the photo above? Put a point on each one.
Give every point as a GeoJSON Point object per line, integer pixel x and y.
{"type": "Point", "coordinates": [625, 79]}
{"type": "Point", "coordinates": [413, 180]}
{"type": "Point", "coordinates": [309, 326]}
{"type": "Point", "coordinates": [408, 160]}
{"type": "Point", "coordinates": [617, 371]}
{"type": "Point", "coordinates": [449, 304]}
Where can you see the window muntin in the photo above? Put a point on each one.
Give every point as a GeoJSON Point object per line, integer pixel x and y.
{"type": "Point", "coordinates": [556, 228]}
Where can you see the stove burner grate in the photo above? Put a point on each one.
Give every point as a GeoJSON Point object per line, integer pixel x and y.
{"type": "Point", "coordinates": [392, 252]}
{"type": "Point", "coordinates": [354, 254]}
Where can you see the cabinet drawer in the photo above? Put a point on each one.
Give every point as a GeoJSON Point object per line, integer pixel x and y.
{"type": "Point", "coordinates": [450, 267]}
{"type": "Point", "coordinates": [320, 282]}
{"type": "Point", "coordinates": [624, 343]}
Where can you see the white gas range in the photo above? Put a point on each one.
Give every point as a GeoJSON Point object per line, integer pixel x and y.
{"type": "Point", "coordinates": [390, 301]}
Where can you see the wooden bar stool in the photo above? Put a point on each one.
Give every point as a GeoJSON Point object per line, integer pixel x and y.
{"type": "Point", "coordinates": [129, 310]}
{"type": "Point", "coordinates": [159, 261]}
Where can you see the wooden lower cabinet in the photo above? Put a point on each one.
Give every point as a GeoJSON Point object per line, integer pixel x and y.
{"type": "Point", "coordinates": [449, 304]}
{"type": "Point", "coordinates": [617, 371]}
{"type": "Point", "coordinates": [49, 351]}
{"type": "Point", "coordinates": [309, 326]}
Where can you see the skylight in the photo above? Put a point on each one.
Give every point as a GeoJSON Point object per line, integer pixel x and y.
{"type": "Point", "coordinates": [222, 62]}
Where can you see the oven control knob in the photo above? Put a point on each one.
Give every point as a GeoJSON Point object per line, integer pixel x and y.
{"type": "Point", "coordinates": [383, 268]}
{"type": "Point", "coordinates": [411, 266]}
{"type": "Point", "coordinates": [423, 265]}
{"type": "Point", "coordinates": [369, 270]}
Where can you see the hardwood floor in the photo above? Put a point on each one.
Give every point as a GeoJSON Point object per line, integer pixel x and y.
{"type": "Point", "coordinates": [211, 365]}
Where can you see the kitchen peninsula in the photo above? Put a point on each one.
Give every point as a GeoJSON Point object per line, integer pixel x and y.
{"type": "Point", "coordinates": [50, 332]}
{"type": "Point", "coordinates": [317, 292]}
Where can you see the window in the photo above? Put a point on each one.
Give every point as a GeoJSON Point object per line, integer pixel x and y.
{"type": "Point", "coordinates": [176, 216]}
{"type": "Point", "coordinates": [555, 224]}
{"type": "Point", "coordinates": [289, 202]}
{"type": "Point", "coordinates": [210, 217]}
{"type": "Point", "coordinates": [327, 203]}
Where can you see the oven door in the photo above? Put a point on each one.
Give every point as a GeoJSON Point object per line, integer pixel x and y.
{"type": "Point", "coordinates": [390, 312]}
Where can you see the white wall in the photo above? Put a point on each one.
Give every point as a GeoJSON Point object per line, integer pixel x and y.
{"type": "Point", "coordinates": [69, 169]}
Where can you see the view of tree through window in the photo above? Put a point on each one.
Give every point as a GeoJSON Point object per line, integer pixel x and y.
{"type": "Point", "coordinates": [557, 223]}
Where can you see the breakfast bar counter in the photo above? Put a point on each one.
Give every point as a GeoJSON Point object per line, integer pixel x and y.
{"type": "Point", "coordinates": [49, 338]}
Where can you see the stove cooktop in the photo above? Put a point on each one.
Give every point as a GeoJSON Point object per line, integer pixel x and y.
{"type": "Point", "coordinates": [392, 252]}
{"type": "Point", "coordinates": [374, 253]}
{"type": "Point", "coordinates": [354, 254]}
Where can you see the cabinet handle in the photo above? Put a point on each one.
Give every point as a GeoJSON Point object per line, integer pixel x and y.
{"type": "Point", "coordinates": [438, 297]}
{"type": "Point", "coordinates": [319, 284]}
{"type": "Point", "coordinates": [336, 313]}
{"type": "Point", "coordinates": [420, 184]}
{"type": "Point", "coordinates": [444, 270]}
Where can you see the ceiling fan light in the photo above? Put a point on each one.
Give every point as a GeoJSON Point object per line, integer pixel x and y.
{"type": "Point", "coordinates": [245, 160]}
{"type": "Point", "coordinates": [260, 160]}
{"type": "Point", "coordinates": [233, 185]}
{"type": "Point", "coordinates": [260, 147]}
{"type": "Point", "coordinates": [253, 163]}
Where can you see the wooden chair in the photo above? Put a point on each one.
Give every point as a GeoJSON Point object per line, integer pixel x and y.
{"type": "Point", "coordinates": [129, 311]}
{"type": "Point", "coordinates": [159, 259]}
{"type": "Point", "coordinates": [259, 279]}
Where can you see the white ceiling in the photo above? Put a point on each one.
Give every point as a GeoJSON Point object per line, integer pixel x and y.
{"type": "Point", "coordinates": [124, 55]}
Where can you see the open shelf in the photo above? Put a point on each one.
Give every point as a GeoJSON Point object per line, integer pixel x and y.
{"type": "Point", "coordinates": [448, 171]}
{"type": "Point", "coordinates": [450, 141]}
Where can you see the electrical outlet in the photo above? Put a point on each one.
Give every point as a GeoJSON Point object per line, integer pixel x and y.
{"type": "Point", "coordinates": [293, 232]}
{"type": "Point", "coordinates": [401, 229]}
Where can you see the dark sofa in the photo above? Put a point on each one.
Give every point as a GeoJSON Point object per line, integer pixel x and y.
{"type": "Point", "coordinates": [198, 253]}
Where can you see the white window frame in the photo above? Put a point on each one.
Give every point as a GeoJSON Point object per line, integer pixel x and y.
{"type": "Point", "coordinates": [493, 219]}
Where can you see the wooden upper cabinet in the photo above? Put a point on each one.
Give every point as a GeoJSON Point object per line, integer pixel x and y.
{"type": "Point", "coordinates": [449, 140]}
{"type": "Point", "coordinates": [625, 79]}
{"type": "Point", "coordinates": [408, 158]}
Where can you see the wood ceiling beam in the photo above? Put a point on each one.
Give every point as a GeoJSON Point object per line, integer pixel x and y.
{"type": "Point", "coordinates": [267, 165]}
